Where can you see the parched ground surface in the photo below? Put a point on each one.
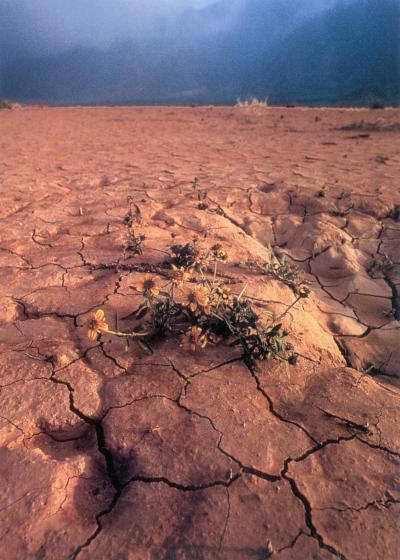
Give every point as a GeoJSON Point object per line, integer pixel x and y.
{"type": "Point", "coordinates": [124, 456]}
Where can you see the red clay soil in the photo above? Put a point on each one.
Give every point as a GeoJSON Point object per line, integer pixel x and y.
{"type": "Point", "coordinates": [107, 454]}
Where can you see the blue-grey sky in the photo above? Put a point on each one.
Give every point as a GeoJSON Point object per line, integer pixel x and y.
{"type": "Point", "coordinates": [198, 50]}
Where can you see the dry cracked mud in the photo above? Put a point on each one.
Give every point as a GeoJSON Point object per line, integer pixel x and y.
{"type": "Point", "coordinates": [124, 456]}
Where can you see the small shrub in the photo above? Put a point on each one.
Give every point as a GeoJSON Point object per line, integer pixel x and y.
{"type": "Point", "coordinates": [5, 104]}
{"type": "Point", "coordinates": [134, 242]}
{"type": "Point", "coordinates": [252, 102]}
{"type": "Point", "coordinates": [201, 311]}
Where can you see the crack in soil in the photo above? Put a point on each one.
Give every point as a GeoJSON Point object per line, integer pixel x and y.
{"type": "Point", "coordinates": [395, 297]}
{"type": "Point", "coordinates": [228, 513]}
{"type": "Point", "coordinates": [271, 405]}
{"type": "Point", "coordinates": [350, 423]}
{"type": "Point", "coordinates": [309, 521]}
{"type": "Point", "coordinates": [148, 480]}
{"type": "Point", "coordinates": [99, 528]}
{"type": "Point", "coordinates": [293, 542]}
{"type": "Point", "coordinates": [375, 503]}
{"type": "Point", "coordinates": [312, 450]}
{"type": "Point", "coordinates": [99, 430]}
{"type": "Point", "coordinates": [378, 446]}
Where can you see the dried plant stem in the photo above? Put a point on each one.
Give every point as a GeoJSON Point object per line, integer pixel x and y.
{"type": "Point", "coordinates": [242, 292]}
{"type": "Point", "coordinates": [125, 335]}
{"type": "Point", "coordinates": [288, 309]}
{"type": "Point", "coordinates": [215, 272]}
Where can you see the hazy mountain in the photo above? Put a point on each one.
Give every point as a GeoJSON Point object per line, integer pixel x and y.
{"type": "Point", "coordinates": [339, 52]}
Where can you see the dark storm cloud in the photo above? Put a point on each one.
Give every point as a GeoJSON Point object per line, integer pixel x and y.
{"type": "Point", "coordinates": [45, 25]}
{"type": "Point", "coordinates": [73, 51]}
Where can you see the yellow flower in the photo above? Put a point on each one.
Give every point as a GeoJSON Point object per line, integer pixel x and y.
{"type": "Point", "coordinates": [179, 275]}
{"type": "Point", "coordinates": [195, 297]}
{"type": "Point", "coordinates": [96, 324]}
{"type": "Point", "coordinates": [194, 338]}
{"type": "Point", "coordinates": [149, 285]}
{"type": "Point", "coordinates": [303, 292]}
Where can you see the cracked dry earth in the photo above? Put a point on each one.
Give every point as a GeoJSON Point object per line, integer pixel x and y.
{"type": "Point", "coordinates": [113, 455]}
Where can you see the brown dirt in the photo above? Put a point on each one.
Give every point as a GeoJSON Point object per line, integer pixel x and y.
{"type": "Point", "coordinates": [114, 455]}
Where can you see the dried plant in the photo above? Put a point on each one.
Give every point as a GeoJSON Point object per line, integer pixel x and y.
{"type": "Point", "coordinates": [184, 255]}
{"type": "Point", "coordinates": [202, 204]}
{"type": "Point", "coordinates": [253, 102]}
{"type": "Point", "coordinates": [381, 263]}
{"type": "Point", "coordinates": [321, 193]}
{"type": "Point", "coordinates": [134, 241]}
{"type": "Point", "coordinates": [282, 270]}
{"type": "Point", "coordinates": [202, 195]}
{"type": "Point", "coordinates": [190, 256]}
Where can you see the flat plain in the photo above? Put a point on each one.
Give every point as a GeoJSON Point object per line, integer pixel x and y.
{"type": "Point", "coordinates": [108, 454]}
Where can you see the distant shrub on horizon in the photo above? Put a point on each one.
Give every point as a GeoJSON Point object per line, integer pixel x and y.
{"type": "Point", "coordinates": [251, 102]}
{"type": "Point", "coordinates": [4, 104]}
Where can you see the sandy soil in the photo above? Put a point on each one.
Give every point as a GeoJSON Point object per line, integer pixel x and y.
{"type": "Point", "coordinates": [113, 455]}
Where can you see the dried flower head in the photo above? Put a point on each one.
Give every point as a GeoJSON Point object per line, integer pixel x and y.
{"type": "Point", "coordinates": [303, 291]}
{"type": "Point", "coordinates": [193, 339]}
{"type": "Point", "coordinates": [96, 324]}
{"type": "Point", "coordinates": [195, 297]}
{"type": "Point", "coordinates": [179, 275]}
{"type": "Point", "coordinates": [224, 293]}
{"type": "Point", "coordinates": [218, 252]}
{"type": "Point", "coordinates": [201, 262]}
{"type": "Point", "coordinates": [183, 255]}
{"type": "Point", "coordinates": [149, 285]}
